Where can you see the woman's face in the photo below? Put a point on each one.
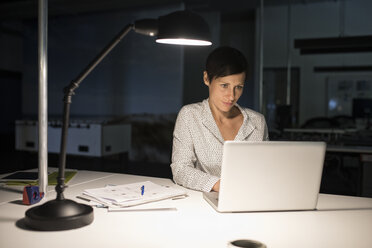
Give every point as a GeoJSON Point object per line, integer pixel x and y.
{"type": "Point", "coordinates": [224, 92]}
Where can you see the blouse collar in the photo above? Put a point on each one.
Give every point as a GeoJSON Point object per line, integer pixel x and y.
{"type": "Point", "coordinates": [209, 122]}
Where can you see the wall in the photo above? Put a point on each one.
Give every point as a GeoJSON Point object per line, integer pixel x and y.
{"type": "Point", "coordinates": [11, 56]}
{"type": "Point", "coordinates": [11, 46]}
{"type": "Point", "coordinates": [138, 76]}
{"type": "Point", "coordinates": [315, 21]}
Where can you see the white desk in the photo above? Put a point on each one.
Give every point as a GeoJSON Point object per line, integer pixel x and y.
{"type": "Point", "coordinates": [341, 222]}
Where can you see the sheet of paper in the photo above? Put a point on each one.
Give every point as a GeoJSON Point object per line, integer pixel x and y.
{"type": "Point", "coordinates": [166, 205]}
{"type": "Point", "coordinates": [132, 194]}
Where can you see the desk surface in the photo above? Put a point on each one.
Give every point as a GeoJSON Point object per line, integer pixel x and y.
{"type": "Point", "coordinates": [341, 221]}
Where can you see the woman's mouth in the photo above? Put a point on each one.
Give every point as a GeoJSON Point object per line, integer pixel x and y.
{"type": "Point", "coordinates": [229, 104]}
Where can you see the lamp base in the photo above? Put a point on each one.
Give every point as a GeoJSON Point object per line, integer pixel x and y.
{"type": "Point", "coordinates": [56, 215]}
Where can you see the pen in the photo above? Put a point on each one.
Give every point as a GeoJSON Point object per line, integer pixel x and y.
{"type": "Point", "coordinates": [83, 198]}
{"type": "Point", "coordinates": [180, 197]}
{"type": "Point", "coordinates": [99, 205]}
{"type": "Point", "coordinates": [142, 189]}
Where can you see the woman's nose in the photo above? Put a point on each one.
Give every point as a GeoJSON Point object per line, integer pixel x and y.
{"type": "Point", "coordinates": [231, 94]}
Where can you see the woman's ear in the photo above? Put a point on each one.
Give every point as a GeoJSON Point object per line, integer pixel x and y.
{"type": "Point", "coordinates": [205, 78]}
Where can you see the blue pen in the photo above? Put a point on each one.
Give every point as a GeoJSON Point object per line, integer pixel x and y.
{"type": "Point", "coordinates": [142, 189]}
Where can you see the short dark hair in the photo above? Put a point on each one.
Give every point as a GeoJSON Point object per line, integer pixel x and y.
{"type": "Point", "coordinates": [224, 61]}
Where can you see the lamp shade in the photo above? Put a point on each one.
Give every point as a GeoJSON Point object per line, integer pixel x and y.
{"type": "Point", "coordinates": [183, 28]}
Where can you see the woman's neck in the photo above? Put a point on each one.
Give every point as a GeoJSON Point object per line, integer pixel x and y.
{"type": "Point", "coordinates": [221, 116]}
{"type": "Point", "coordinates": [229, 122]}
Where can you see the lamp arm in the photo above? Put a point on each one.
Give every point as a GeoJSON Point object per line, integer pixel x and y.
{"type": "Point", "coordinates": [65, 214]}
{"type": "Point", "coordinates": [68, 93]}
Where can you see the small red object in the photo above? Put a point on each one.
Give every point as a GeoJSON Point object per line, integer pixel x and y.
{"type": "Point", "coordinates": [31, 195]}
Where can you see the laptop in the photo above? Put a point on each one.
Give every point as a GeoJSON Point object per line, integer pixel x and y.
{"type": "Point", "coordinates": [269, 176]}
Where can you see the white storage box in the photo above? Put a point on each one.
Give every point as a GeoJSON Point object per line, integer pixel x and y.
{"type": "Point", "coordinates": [84, 138]}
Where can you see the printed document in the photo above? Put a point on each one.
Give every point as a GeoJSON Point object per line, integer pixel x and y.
{"type": "Point", "coordinates": [133, 194]}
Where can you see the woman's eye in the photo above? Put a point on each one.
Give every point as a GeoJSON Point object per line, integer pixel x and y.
{"type": "Point", "coordinates": [239, 87]}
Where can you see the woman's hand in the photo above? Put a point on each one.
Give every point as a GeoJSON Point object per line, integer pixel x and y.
{"type": "Point", "coordinates": [216, 187]}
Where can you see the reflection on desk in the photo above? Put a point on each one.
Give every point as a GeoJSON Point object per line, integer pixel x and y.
{"type": "Point", "coordinates": [341, 221]}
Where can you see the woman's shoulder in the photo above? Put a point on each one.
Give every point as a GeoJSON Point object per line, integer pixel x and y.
{"type": "Point", "coordinates": [252, 114]}
{"type": "Point", "coordinates": [192, 109]}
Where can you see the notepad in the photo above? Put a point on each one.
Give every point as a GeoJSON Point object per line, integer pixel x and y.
{"type": "Point", "coordinates": [25, 176]}
{"type": "Point", "coordinates": [131, 194]}
{"type": "Point", "coordinates": [31, 178]}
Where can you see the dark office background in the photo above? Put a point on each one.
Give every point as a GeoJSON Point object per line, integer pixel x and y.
{"type": "Point", "coordinates": [144, 84]}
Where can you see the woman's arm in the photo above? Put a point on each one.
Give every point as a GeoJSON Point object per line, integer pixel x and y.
{"type": "Point", "coordinates": [184, 157]}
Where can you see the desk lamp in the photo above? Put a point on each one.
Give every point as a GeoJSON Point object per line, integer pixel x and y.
{"type": "Point", "coordinates": [181, 28]}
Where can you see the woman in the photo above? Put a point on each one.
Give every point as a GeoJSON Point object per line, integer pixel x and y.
{"type": "Point", "coordinates": [201, 128]}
